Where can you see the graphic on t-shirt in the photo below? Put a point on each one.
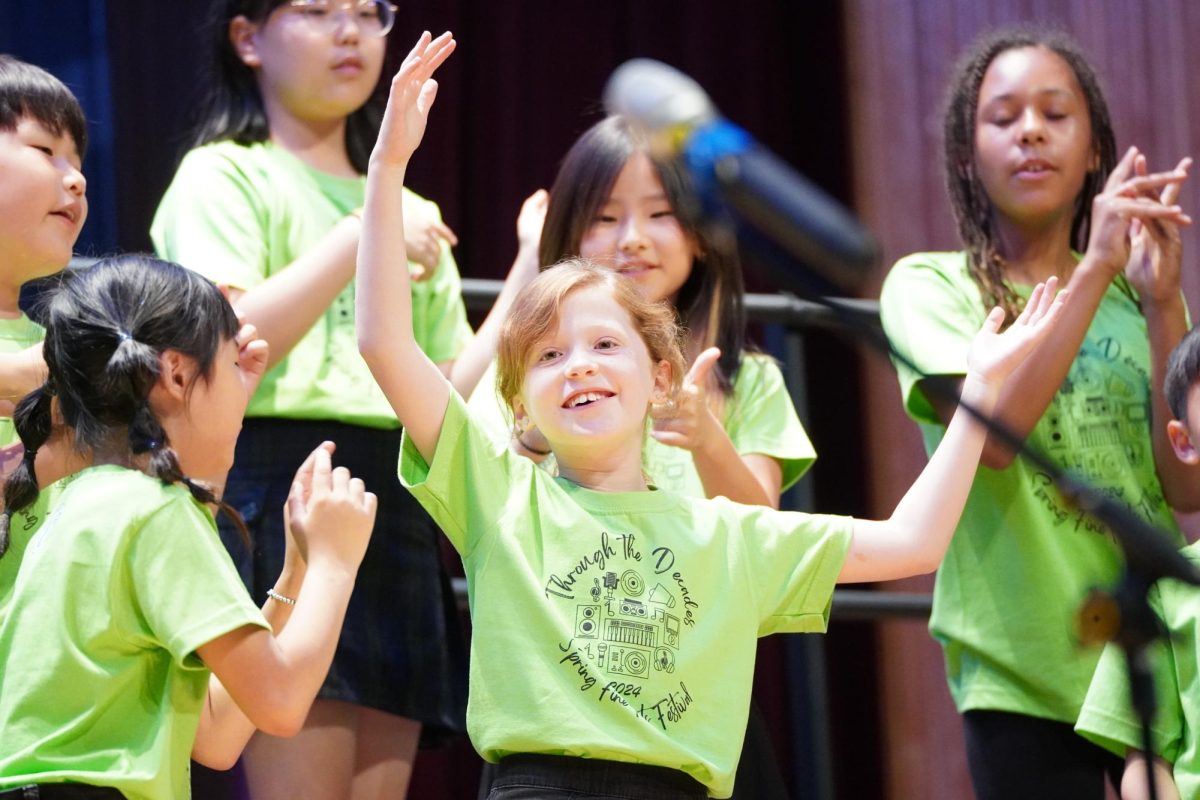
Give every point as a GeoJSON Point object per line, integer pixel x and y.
{"type": "Point", "coordinates": [628, 619]}
{"type": "Point", "coordinates": [1096, 427]}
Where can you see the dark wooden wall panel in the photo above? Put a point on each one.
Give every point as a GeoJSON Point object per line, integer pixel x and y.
{"type": "Point", "coordinates": [899, 54]}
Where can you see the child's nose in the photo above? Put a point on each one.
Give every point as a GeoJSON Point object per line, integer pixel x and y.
{"type": "Point", "coordinates": [633, 236]}
{"type": "Point", "coordinates": [580, 365]}
{"type": "Point", "coordinates": [1032, 126]}
{"type": "Point", "coordinates": [74, 181]}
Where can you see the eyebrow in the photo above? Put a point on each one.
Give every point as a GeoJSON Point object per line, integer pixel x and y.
{"type": "Point", "coordinates": [1008, 96]}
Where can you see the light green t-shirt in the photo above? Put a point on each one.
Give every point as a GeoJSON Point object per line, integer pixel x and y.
{"type": "Point", "coordinates": [116, 590]}
{"type": "Point", "coordinates": [1023, 558]}
{"type": "Point", "coordinates": [758, 416]}
{"type": "Point", "coordinates": [617, 625]}
{"type": "Point", "coordinates": [1107, 718]}
{"type": "Point", "coordinates": [21, 528]}
{"type": "Point", "coordinates": [16, 335]}
{"type": "Point", "coordinates": [238, 215]}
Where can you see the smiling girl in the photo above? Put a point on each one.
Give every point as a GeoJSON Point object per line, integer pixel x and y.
{"type": "Point", "coordinates": [1033, 174]}
{"type": "Point", "coordinates": [634, 612]}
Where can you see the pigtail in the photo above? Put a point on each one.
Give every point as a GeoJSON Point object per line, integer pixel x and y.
{"type": "Point", "coordinates": [33, 422]}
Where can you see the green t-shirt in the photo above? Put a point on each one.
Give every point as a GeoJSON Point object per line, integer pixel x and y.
{"type": "Point", "coordinates": [238, 215]}
{"type": "Point", "coordinates": [116, 590]}
{"type": "Point", "coordinates": [21, 528]}
{"type": "Point", "coordinates": [16, 335]}
{"type": "Point", "coordinates": [758, 416]}
{"type": "Point", "coordinates": [1107, 717]}
{"type": "Point", "coordinates": [1023, 558]}
{"type": "Point", "coordinates": [616, 625]}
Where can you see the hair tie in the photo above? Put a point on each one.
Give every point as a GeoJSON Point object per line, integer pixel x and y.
{"type": "Point", "coordinates": [30, 455]}
{"type": "Point", "coordinates": [124, 335]}
{"type": "Point", "coordinates": [153, 444]}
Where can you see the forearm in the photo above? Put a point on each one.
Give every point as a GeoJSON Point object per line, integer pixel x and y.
{"type": "Point", "coordinates": [287, 305]}
{"type": "Point", "coordinates": [1029, 390]}
{"type": "Point", "coordinates": [1166, 324]}
{"type": "Point", "coordinates": [914, 539]}
{"type": "Point", "coordinates": [224, 728]}
{"type": "Point", "coordinates": [724, 471]}
{"type": "Point", "coordinates": [473, 362]}
{"type": "Point", "coordinates": [1134, 782]}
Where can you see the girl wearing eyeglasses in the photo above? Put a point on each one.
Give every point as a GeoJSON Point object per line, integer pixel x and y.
{"type": "Point", "coordinates": [266, 204]}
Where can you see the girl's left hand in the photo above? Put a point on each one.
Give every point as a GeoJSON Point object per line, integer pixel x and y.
{"type": "Point", "coordinates": [411, 96]}
{"type": "Point", "coordinates": [1156, 248]}
{"type": "Point", "coordinates": [686, 420]}
{"type": "Point", "coordinates": [252, 355]}
{"type": "Point", "coordinates": [424, 235]}
{"type": "Point", "coordinates": [994, 355]}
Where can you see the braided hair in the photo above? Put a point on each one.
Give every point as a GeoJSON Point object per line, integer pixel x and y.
{"type": "Point", "coordinates": [106, 327]}
{"type": "Point", "coordinates": [972, 208]}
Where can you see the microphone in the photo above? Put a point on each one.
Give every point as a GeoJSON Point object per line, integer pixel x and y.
{"type": "Point", "coordinates": [737, 178]}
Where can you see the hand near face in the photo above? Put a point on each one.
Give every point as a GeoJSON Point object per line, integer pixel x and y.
{"type": "Point", "coordinates": [686, 420]}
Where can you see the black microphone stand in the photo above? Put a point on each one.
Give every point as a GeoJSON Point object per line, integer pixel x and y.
{"type": "Point", "coordinates": [1149, 553]}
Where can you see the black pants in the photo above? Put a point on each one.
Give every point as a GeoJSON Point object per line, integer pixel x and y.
{"type": "Point", "coordinates": [1014, 755]}
{"type": "Point", "coordinates": [61, 791]}
{"type": "Point", "coordinates": [537, 777]}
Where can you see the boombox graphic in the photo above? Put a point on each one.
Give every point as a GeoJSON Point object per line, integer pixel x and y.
{"type": "Point", "coordinates": [633, 628]}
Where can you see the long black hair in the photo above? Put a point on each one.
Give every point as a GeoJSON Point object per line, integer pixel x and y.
{"type": "Point", "coordinates": [972, 208]}
{"type": "Point", "coordinates": [233, 107]}
{"type": "Point", "coordinates": [105, 329]}
{"type": "Point", "coordinates": [29, 91]}
{"type": "Point", "coordinates": [710, 304]}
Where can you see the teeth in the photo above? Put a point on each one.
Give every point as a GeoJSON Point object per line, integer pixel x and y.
{"type": "Point", "coordinates": [586, 397]}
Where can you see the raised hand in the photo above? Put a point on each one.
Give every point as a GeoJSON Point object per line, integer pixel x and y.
{"type": "Point", "coordinates": [994, 355]}
{"type": "Point", "coordinates": [686, 420]}
{"type": "Point", "coordinates": [1128, 196]}
{"type": "Point", "coordinates": [531, 219]}
{"type": "Point", "coordinates": [330, 514]}
{"type": "Point", "coordinates": [411, 96]}
{"type": "Point", "coordinates": [1156, 247]}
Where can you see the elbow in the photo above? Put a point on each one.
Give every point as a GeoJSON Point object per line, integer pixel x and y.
{"type": "Point", "coordinates": [997, 457]}
{"type": "Point", "coordinates": [219, 758]}
{"type": "Point", "coordinates": [281, 712]}
{"type": "Point", "coordinates": [284, 725]}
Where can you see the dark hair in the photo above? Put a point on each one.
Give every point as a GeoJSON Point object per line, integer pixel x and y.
{"type": "Point", "coordinates": [233, 108]}
{"type": "Point", "coordinates": [1183, 370]}
{"type": "Point", "coordinates": [972, 208]}
{"type": "Point", "coordinates": [29, 91]}
{"type": "Point", "coordinates": [105, 329]}
{"type": "Point", "coordinates": [710, 302]}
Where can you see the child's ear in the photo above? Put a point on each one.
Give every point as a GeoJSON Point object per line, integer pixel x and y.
{"type": "Point", "coordinates": [521, 421]}
{"type": "Point", "coordinates": [242, 34]}
{"type": "Point", "coordinates": [662, 380]}
{"type": "Point", "coordinates": [175, 374]}
{"type": "Point", "coordinates": [1181, 442]}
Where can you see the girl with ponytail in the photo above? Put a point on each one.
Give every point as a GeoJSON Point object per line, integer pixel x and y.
{"type": "Point", "coordinates": [128, 639]}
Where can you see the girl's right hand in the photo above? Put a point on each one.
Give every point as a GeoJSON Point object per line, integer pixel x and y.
{"type": "Point", "coordinates": [1126, 197]}
{"type": "Point", "coordinates": [412, 94]}
{"type": "Point", "coordinates": [331, 518]}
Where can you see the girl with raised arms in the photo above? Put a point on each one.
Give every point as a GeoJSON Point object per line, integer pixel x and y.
{"type": "Point", "coordinates": [633, 613]}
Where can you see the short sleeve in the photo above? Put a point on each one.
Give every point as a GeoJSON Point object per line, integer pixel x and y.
{"type": "Point", "coordinates": [1107, 717]}
{"type": "Point", "coordinates": [931, 311]}
{"type": "Point", "coordinates": [761, 418]}
{"type": "Point", "coordinates": [213, 221]}
{"type": "Point", "coordinates": [186, 588]}
{"type": "Point", "coordinates": [794, 560]}
{"type": "Point", "coordinates": [470, 480]}
{"type": "Point", "coordinates": [440, 317]}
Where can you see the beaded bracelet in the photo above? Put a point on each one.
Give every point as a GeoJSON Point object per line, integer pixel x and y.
{"type": "Point", "coordinates": [281, 598]}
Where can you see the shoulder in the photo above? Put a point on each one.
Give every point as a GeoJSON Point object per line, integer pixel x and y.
{"type": "Point", "coordinates": [756, 369]}
{"type": "Point", "coordinates": [948, 267]}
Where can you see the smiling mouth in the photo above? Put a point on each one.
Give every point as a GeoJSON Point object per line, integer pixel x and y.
{"type": "Point", "coordinates": [1034, 168]}
{"type": "Point", "coordinates": [585, 398]}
